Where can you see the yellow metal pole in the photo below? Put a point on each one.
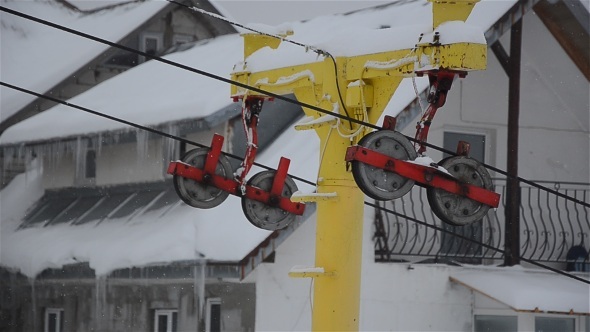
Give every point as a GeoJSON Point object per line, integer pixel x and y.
{"type": "Point", "coordinates": [339, 230]}
{"type": "Point", "coordinates": [339, 236]}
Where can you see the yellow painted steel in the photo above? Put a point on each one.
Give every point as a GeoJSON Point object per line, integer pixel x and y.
{"type": "Point", "coordinates": [451, 10]}
{"type": "Point", "coordinates": [367, 83]}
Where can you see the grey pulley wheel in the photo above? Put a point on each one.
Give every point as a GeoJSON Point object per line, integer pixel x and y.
{"type": "Point", "coordinates": [459, 210]}
{"type": "Point", "coordinates": [202, 195]}
{"type": "Point", "coordinates": [264, 216]}
{"type": "Point", "coordinates": [378, 183]}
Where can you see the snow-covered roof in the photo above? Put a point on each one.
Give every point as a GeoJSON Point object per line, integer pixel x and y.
{"type": "Point", "coordinates": [37, 57]}
{"type": "Point", "coordinates": [220, 234]}
{"type": "Point", "coordinates": [527, 290]}
{"type": "Point", "coordinates": [154, 92]}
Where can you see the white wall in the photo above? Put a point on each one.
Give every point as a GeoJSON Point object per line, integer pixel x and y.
{"type": "Point", "coordinates": [58, 171]}
{"type": "Point", "coordinates": [554, 145]}
{"type": "Point", "coordinates": [125, 163]}
{"type": "Point", "coordinates": [393, 296]}
{"type": "Point", "coordinates": [116, 164]}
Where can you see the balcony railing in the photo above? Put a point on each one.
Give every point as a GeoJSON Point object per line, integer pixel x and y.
{"type": "Point", "coordinates": [550, 226]}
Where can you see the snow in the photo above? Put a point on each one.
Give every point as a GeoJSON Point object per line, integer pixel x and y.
{"type": "Point", "coordinates": [149, 94]}
{"type": "Point", "coordinates": [183, 233]}
{"type": "Point", "coordinates": [429, 162]}
{"type": "Point", "coordinates": [143, 93]}
{"type": "Point", "coordinates": [306, 269]}
{"type": "Point", "coordinates": [527, 290]}
{"type": "Point", "coordinates": [455, 32]}
{"type": "Point", "coordinates": [36, 56]}
{"type": "Point", "coordinates": [86, 5]}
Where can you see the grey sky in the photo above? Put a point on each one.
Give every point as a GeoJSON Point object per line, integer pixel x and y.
{"type": "Point", "coordinates": [277, 12]}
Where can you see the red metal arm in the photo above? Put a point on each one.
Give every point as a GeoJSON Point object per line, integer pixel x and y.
{"type": "Point", "coordinates": [427, 176]}
{"type": "Point", "coordinates": [235, 187]}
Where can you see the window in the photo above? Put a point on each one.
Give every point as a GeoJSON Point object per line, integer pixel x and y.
{"type": "Point", "coordinates": [181, 39]}
{"type": "Point", "coordinates": [54, 320]}
{"type": "Point", "coordinates": [85, 160]}
{"type": "Point", "coordinates": [150, 43]}
{"type": "Point", "coordinates": [213, 316]}
{"type": "Point", "coordinates": [90, 172]}
{"type": "Point", "coordinates": [489, 323]}
{"type": "Point", "coordinates": [459, 249]}
{"type": "Point", "coordinates": [165, 320]}
{"type": "Point", "coordinates": [477, 144]}
{"type": "Point", "coordinates": [551, 324]}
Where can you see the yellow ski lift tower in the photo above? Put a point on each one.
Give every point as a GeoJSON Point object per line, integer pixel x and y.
{"type": "Point", "coordinates": [365, 83]}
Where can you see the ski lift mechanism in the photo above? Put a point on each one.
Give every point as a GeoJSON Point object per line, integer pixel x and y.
{"type": "Point", "coordinates": [459, 189]}
{"type": "Point", "coordinates": [382, 166]}
{"type": "Point", "coordinates": [203, 178]}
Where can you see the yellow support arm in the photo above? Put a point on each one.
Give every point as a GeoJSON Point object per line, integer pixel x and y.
{"type": "Point", "coordinates": [365, 83]}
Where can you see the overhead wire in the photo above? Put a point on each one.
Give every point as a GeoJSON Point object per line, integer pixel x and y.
{"type": "Point", "coordinates": [138, 126]}
{"type": "Point", "coordinates": [375, 206]}
{"type": "Point", "coordinates": [274, 95]}
{"type": "Point", "coordinates": [463, 237]}
{"type": "Point", "coordinates": [204, 73]}
{"type": "Point", "coordinates": [284, 39]}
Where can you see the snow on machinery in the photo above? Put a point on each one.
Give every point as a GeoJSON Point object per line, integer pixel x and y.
{"type": "Point", "coordinates": [459, 188]}
{"type": "Point", "coordinates": [356, 84]}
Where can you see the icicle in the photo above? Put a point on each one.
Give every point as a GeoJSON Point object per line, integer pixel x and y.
{"type": "Point", "coordinates": [142, 145]}
{"type": "Point", "coordinates": [99, 144]}
{"type": "Point", "coordinates": [169, 144]}
{"type": "Point", "coordinates": [6, 160]}
{"type": "Point", "coordinates": [80, 157]}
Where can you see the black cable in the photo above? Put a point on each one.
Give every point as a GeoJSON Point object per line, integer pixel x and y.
{"type": "Point", "coordinates": [277, 96]}
{"type": "Point", "coordinates": [376, 206]}
{"type": "Point", "coordinates": [185, 67]}
{"type": "Point", "coordinates": [132, 124]}
{"type": "Point", "coordinates": [440, 229]}
{"type": "Point", "coordinates": [307, 47]}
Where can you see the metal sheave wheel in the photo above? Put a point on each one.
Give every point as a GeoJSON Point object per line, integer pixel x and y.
{"type": "Point", "coordinates": [265, 216]}
{"type": "Point", "coordinates": [375, 182]}
{"type": "Point", "coordinates": [197, 194]}
{"type": "Point", "coordinates": [459, 210]}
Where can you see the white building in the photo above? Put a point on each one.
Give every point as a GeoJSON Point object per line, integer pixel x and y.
{"type": "Point", "coordinates": [119, 226]}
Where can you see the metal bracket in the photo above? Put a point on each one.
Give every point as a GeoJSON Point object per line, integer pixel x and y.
{"type": "Point", "coordinates": [309, 272]}
{"type": "Point", "coordinates": [424, 175]}
{"type": "Point", "coordinates": [207, 176]}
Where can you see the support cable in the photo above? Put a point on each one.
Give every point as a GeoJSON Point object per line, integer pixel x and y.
{"type": "Point", "coordinates": [375, 206]}
{"type": "Point", "coordinates": [274, 95]}
{"type": "Point", "coordinates": [138, 126]}
{"type": "Point", "coordinates": [463, 237]}
{"type": "Point", "coordinates": [314, 49]}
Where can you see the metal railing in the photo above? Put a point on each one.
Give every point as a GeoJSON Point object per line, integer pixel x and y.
{"type": "Point", "coordinates": [550, 226]}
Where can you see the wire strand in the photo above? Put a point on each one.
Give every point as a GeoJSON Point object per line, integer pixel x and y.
{"type": "Point", "coordinates": [138, 126]}
{"type": "Point", "coordinates": [375, 206]}
{"type": "Point", "coordinates": [305, 46]}
{"type": "Point", "coordinates": [463, 237]}
{"type": "Point", "coordinates": [274, 95]}
{"type": "Point", "coordinates": [204, 73]}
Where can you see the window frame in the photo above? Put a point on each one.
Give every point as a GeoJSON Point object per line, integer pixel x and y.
{"type": "Point", "coordinates": [576, 320]}
{"type": "Point", "coordinates": [171, 324]}
{"type": "Point", "coordinates": [85, 148]}
{"type": "Point", "coordinates": [209, 303]}
{"type": "Point", "coordinates": [59, 312]}
{"type": "Point", "coordinates": [495, 314]}
{"type": "Point", "coordinates": [526, 321]}
{"type": "Point", "coordinates": [179, 39]}
{"type": "Point", "coordinates": [143, 37]}
{"type": "Point", "coordinates": [448, 241]}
